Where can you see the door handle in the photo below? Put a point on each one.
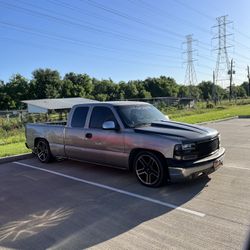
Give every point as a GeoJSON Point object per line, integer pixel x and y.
{"type": "Point", "coordinates": [88, 135]}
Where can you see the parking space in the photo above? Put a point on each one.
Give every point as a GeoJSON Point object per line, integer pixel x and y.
{"type": "Point", "coordinates": [73, 205]}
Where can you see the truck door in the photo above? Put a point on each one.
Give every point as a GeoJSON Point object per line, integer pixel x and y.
{"type": "Point", "coordinates": [104, 146]}
{"type": "Point", "coordinates": [94, 144]}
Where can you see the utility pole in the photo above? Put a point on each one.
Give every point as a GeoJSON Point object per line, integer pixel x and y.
{"type": "Point", "coordinates": [190, 76]}
{"type": "Point", "coordinates": [231, 72]}
{"type": "Point", "coordinates": [222, 63]}
{"type": "Point", "coordinates": [248, 76]}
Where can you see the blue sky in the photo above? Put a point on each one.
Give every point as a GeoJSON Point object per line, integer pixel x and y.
{"type": "Point", "coordinates": [120, 39]}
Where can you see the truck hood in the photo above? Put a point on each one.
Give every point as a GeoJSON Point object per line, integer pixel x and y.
{"type": "Point", "coordinates": [181, 131]}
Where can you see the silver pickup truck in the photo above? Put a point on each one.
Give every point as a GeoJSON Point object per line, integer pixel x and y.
{"type": "Point", "coordinates": [129, 135]}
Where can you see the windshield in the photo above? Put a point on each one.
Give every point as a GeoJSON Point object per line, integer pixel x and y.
{"type": "Point", "coordinates": [139, 115]}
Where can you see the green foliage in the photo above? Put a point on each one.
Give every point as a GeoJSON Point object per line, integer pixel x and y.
{"type": "Point", "coordinates": [47, 83]}
{"type": "Point", "coordinates": [13, 149]}
{"type": "Point", "coordinates": [11, 124]}
{"type": "Point", "coordinates": [162, 86]}
{"type": "Point", "coordinates": [210, 105]}
{"type": "Point", "coordinates": [245, 85]}
{"type": "Point", "coordinates": [239, 91]}
{"type": "Point", "coordinates": [17, 89]}
{"type": "Point", "coordinates": [77, 85]}
{"type": "Point", "coordinates": [196, 116]}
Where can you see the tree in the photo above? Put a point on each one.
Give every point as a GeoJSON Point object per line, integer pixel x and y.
{"type": "Point", "coordinates": [245, 85]}
{"type": "Point", "coordinates": [162, 86]}
{"type": "Point", "coordinates": [83, 81]}
{"type": "Point", "coordinates": [239, 91]}
{"type": "Point", "coordinates": [103, 90]}
{"type": "Point", "coordinates": [68, 89]}
{"type": "Point", "coordinates": [17, 89]}
{"type": "Point", "coordinates": [221, 93]}
{"type": "Point", "coordinates": [183, 91]}
{"type": "Point", "coordinates": [129, 89]}
{"type": "Point", "coordinates": [142, 92]}
{"type": "Point", "coordinates": [46, 83]}
{"type": "Point", "coordinates": [206, 88]}
{"type": "Point", "coordinates": [6, 102]}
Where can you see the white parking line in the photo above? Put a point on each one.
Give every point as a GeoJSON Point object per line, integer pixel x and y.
{"type": "Point", "coordinates": [165, 204]}
{"type": "Point", "coordinates": [238, 168]}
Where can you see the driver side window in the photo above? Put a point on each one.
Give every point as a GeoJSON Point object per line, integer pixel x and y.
{"type": "Point", "coordinates": [99, 116]}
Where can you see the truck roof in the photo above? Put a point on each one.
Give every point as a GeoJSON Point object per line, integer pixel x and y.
{"type": "Point", "coordinates": [112, 103]}
{"type": "Point", "coordinates": [121, 103]}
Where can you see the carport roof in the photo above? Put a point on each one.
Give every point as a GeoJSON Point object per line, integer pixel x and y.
{"type": "Point", "coordinates": [58, 103]}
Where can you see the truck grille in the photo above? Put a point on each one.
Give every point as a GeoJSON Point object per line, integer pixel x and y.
{"type": "Point", "coordinates": [208, 147]}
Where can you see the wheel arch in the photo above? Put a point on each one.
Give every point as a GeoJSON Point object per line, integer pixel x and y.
{"type": "Point", "coordinates": [37, 139]}
{"type": "Point", "coordinates": [135, 151]}
{"type": "Point", "coordinates": [50, 155]}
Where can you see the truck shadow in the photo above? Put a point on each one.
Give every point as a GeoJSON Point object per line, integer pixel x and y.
{"type": "Point", "coordinates": [55, 212]}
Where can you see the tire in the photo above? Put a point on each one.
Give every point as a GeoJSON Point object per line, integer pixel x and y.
{"type": "Point", "coordinates": [149, 169]}
{"type": "Point", "coordinates": [43, 151]}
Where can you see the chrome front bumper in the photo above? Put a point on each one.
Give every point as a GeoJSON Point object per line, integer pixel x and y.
{"type": "Point", "coordinates": [179, 171]}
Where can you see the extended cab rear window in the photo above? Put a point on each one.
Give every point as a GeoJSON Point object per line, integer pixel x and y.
{"type": "Point", "coordinates": [79, 117]}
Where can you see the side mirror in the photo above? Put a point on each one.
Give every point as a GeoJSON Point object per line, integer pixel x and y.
{"type": "Point", "coordinates": [109, 125]}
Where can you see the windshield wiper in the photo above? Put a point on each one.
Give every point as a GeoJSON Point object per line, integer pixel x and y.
{"type": "Point", "coordinates": [142, 124]}
{"type": "Point", "coordinates": [161, 120]}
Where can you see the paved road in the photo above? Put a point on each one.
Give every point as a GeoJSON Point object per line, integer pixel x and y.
{"type": "Point", "coordinates": [71, 205]}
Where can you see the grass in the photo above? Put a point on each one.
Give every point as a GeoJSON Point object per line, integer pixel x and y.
{"type": "Point", "coordinates": [13, 149]}
{"type": "Point", "coordinates": [204, 115]}
{"type": "Point", "coordinates": [13, 136]}
{"type": "Point", "coordinates": [12, 142]}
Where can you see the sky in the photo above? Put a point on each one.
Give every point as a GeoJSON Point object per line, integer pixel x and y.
{"type": "Point", "coordinates": [121, 39]}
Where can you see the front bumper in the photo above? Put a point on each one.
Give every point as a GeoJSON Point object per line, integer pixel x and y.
{"type": "Point", "coordinates": [181, 170]}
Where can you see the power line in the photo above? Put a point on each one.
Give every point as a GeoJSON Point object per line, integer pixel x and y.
{"type": "Point", "coordinates": [194, 9]}
{"type": "Point", "coordinates": [117, 35]}
{"type": "Point", "coordinates": [242, 34]}
{"type": "Point", "coordinates": [130, 18]}
{"type": "Point", "coordinates": [80, 10]}
{"type": "Point", "coordinates": [71, 40]}
{"type": "Point", "coordinates": [119, 59]}
{"type": "Point", "coordinates": [153, 8]}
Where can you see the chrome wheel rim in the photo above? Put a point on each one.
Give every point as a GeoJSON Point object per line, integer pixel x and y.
{"type": "Point", "coordinates": [147, 169]}
{"type": "Point", "coordinates": [42, 151]}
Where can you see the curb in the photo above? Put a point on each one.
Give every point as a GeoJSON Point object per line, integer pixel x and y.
{"type": "Point", "coordinates": [244, 116]}
{"type": "Point", "coordinates": [16, 158]}
{"type": "Point", "coordinates": [220, 120]}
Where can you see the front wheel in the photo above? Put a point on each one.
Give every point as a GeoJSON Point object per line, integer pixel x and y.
{"type": "Point", "coordinates": [43, 151]}
{"type": "Point", "coordinates": [149, 169]}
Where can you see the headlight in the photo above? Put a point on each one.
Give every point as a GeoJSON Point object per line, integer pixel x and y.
{"type": "Point", "coordinates": [186, 151]}
{"type": "Point", "coordinates": [189, 146]}
{"type": "Point", "coordinates": [184, 147]}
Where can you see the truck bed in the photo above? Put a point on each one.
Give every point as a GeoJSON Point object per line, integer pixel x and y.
{"type": "Point", "coordinates": [53, 132]}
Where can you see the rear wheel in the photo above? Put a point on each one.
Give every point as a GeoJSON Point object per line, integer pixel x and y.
{"type": "Point", "coordinates": [149, 169]}
{"type": "Point", "coordinates": [43, 151]}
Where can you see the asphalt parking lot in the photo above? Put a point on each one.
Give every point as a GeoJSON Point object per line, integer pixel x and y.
{"type": "Point", "coordinates": [73, 205]}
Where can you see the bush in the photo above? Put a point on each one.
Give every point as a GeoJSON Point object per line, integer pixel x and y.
{"type": "Point", "coordinates": [220, 108]}
{"type": "Point", "coordinates": [11, 124]}
{"type": "Point", "coordinates": [210, 106]}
